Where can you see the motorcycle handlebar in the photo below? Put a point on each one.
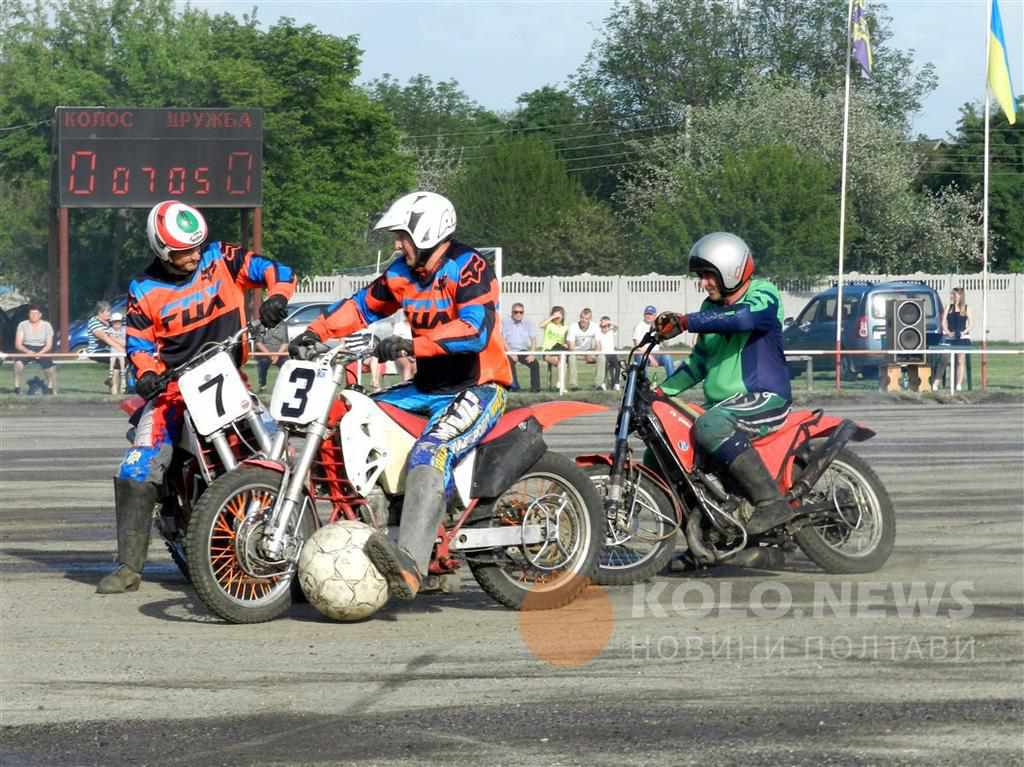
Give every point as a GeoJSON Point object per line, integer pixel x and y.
{"type": "Point", "coordinates": [254, 328]}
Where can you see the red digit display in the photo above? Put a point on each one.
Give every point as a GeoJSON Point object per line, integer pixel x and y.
{"type": "Point", "coordinates": [137, 157]}
{"type": "Point", "coordinates": [82, 164]}
{"type": "Point", "coordinates": [119, 184]}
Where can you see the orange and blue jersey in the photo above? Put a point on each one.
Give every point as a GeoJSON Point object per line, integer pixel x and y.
{"type": "Point", "coordinates": [456, 327]}
{"type": "Point", "coordinates": [170, 318]}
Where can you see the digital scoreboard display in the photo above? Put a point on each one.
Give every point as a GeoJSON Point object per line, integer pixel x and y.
{"type": "Point", "coordinates": [134, 158]}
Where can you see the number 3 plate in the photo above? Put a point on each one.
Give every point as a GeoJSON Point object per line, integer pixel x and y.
{"type": "Point", "coordinates": [214, 394]}
{"type": "Point", "coordinates": [302, 392]}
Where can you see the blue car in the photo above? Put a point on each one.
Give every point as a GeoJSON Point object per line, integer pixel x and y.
{"type": "Point", "coordinates": [864, 317]}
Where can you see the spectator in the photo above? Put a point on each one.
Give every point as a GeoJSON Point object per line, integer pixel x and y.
{"type": "Point", "coordinates": [34, 337]}
{"type": "Point", "coordinates": [608, 365]}
{"type": "Point", "coordinates": [101, 344]}
{"type": "Point", "coordinates": [582, 337]}
{"type": "Point", "coordinates": [662, 360]}
{"type": "Point", "coordinates": [118, 381]}
{"type": "Point", "coordinates": [521, 336]}
{"type": "Point", "coordinates": [555, 338]}
{"type": "Point", "coordinates": [957, 322]}
{"type": "Point", "coordinates": [274, 343]}
{"type": "Point", "coordinates": [406, 365]}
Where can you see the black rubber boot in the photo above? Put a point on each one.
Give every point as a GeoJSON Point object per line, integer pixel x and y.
{"type": "Point", "coordinates": [770, 508]}
{"type": "Point", "coordinates": [133, 503]}
{"type": "Point", "coordinates": [397, 567]}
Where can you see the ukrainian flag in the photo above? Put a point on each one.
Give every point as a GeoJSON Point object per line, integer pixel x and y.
{"type": "Point", "coordinates": [999, 66]}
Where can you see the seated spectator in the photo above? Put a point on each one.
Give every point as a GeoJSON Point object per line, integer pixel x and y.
{"type": "Point", "coordinates": [34, 337]}
{"type": "Point", "coordinates": [521, 338]}
{"type": "Point", "coordinates": [582, 337]}
{"type": "Point", "coordinates": [608, 365]}
{"type": "Point", "coordinates": [101, 343]}
{"type": "Point", "coordinates": [657, 359]}
{"type": "Point", "coordinates": [555, 339]}
{"type": "Point", "coordinates": [274, 343]}
{"type": "Point", "coordinates": [406, 365]}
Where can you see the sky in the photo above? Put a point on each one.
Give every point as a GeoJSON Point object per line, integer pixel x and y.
{"type": "Point", "coordinates": [499, 49]}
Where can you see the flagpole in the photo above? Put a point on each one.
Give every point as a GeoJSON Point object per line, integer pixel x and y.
{"type": "Point", "coordinates": [842, 196]}
{"type": "Point", "coordinates": [984, 215]}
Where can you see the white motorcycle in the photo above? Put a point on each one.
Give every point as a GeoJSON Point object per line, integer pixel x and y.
{"type": "Point", "coordinates": [528, 522]}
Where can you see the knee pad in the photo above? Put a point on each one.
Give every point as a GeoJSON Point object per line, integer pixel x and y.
{"type": "Point", "coordinates": [146, 464]}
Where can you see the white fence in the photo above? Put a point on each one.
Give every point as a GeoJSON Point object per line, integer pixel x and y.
{"type": "Point", "coordinates": [623, 297]}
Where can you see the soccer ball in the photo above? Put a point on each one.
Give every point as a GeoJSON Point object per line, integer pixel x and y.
{"type": "Point", "coordinates": [337, 577]}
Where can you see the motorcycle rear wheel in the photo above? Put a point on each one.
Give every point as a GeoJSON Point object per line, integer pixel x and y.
{"type": "Point", "coordinates": [864, 543]}
{"type": "Point", "coordinates": [640, 550]}
{"type": "Point", "coordinates": [217, 576]}
{"type": "Point", "coordinates": [553, 573]}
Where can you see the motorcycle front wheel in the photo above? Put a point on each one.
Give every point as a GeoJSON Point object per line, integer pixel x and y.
{"type": "Point", "coordinates": [217, 575]}
{"type": "Point", "coordinates": [640, 541]}
{"type": "Point", "coordinates": [861, 537]}
{"type": "Point", "coordinates": [556, 495]}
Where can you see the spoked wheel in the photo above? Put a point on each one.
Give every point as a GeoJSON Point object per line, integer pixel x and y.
{"type": "Point", "coordinates": [639, 542]}
{"type": "Point", "coordinates": [860, 536]}
{"type": "Point", "coordinates": [556, 496]}
{"type": "Point", "coordinates": [224, 529]}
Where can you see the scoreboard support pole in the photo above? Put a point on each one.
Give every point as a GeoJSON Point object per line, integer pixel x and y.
{"type": "Point", "coordinates": [59, 298]}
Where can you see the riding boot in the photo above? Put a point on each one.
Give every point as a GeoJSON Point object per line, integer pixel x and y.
{"type": "Point", "coordinates": [133, 502]}
{"type": "Point", "coordinates": [405, 565]}
{"type": "Point", "coordinates": [770, 508]}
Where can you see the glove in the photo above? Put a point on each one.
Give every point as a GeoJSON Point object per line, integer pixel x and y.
{"type": "Point", "coordinates": [669, 324]}
{"type": "Point", "coordinates": [393, 347]}
{"type": "Point", "coordinates": [302, 345]}
{"type": "Point", "coordinates": [148, 385]}
{"type": "Point", "coordinates": [273, 310]}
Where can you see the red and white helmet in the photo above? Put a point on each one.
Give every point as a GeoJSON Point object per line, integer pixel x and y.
{"type": "Point", "coordinates": [725, 255]}
{"type": "Point", "coordinates": [172, 226]}
{"type": "Point", "coordinates": [427, 217]}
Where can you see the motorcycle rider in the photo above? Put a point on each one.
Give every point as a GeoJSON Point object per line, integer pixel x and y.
{"type": "Point", "coordinates": [449, 294]}
{"type": "Point", "coordinates": [739, 357]}
{"type": "Point", "coordinates": [190, 295]}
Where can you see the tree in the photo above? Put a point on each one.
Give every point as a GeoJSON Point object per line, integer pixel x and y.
{"type": "Point", "coordinates": [657, 59]}
{"type": "Point", "coordinates": [780, 200]}
{"type": "Point", "coordinates": [888, 216]}
{"type": "Point", "coordinates": [521, 198]}
{"type": "Point", "coordinates": [331, 155]}
{"type": "Point", "coordinates": [962, 167]}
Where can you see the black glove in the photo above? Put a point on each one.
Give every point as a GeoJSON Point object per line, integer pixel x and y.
{"type": "Point", "coordinates": [669, 324]}
{"type": "Point", "coordinates": [302, 345]}
{"type": "Point", "coordinates": [148, 385]}
{"type": "Point", "coordinates": [273, 310]}
{"type": "Point", "coordinates": [393, 347]}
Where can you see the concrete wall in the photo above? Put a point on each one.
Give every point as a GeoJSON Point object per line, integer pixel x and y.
{"type": "Point", "coordinates": [624, 297]}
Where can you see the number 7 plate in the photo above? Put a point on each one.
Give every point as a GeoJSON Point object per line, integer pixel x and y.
{"type": "Point", "coordinates": [215, 394]}
{"type": "Point", "coordinates": [302, 392]}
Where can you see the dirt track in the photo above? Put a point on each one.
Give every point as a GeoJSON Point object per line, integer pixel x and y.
{"type": "Point", "coordinates": [921, 663]}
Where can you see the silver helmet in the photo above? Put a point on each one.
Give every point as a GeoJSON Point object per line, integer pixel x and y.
{"type": "Point", "coordinates": [727, 256]}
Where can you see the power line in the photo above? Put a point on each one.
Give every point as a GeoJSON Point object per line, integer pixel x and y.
{"type": "Point", "coordinates": [24, 125]}
{"type": "Point", "coordinates": [511, 129]}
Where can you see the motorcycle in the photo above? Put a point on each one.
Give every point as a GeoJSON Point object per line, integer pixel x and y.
{"type": "Point", "coordinates": [224, 424]}
{"type": "Point", "coordinates": [845, 521]}
{"type": "Point", "coordinates": [525, 520]}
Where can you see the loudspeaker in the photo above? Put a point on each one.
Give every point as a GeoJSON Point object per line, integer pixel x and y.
{"type": "Point", "coordinates": [905, 330]}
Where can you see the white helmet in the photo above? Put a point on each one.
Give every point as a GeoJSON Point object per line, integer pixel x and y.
{"type": "Point", "coordinates": [172, 226]}
{"type": "Point", "coordinates": [727, 255]}
{"type": "Point", "coordinates": [427, 217]}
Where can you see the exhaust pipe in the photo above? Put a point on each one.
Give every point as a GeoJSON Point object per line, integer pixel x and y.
{"type": "Point", "coordinates": [694, 542]}
{"type": "Point", "coordinates": [821, 458]}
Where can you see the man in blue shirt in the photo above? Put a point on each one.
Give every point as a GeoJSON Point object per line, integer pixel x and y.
{"type": "Point", "coordinates": [521, 336]}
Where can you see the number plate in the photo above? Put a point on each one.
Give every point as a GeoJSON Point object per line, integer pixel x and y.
{"type": "Point", "coordinates": [302, 392]}
{"type": "Point", "coordinates": [215, 394]}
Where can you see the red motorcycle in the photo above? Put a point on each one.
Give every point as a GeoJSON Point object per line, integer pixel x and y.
{"type": "Point", "coordinates": [845, 521]}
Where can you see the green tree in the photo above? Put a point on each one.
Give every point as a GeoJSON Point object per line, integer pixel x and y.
{"type": "Point", "coordinates": [521, 197]}
{"type": "Point", "coordinates": [962, 167]}
{"type": "Point", "coordinates": [656, 59]}
{"type": "Point", "coordinates": [780, 200]}
{"type": "Point", "coordinates": [331, 154]}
